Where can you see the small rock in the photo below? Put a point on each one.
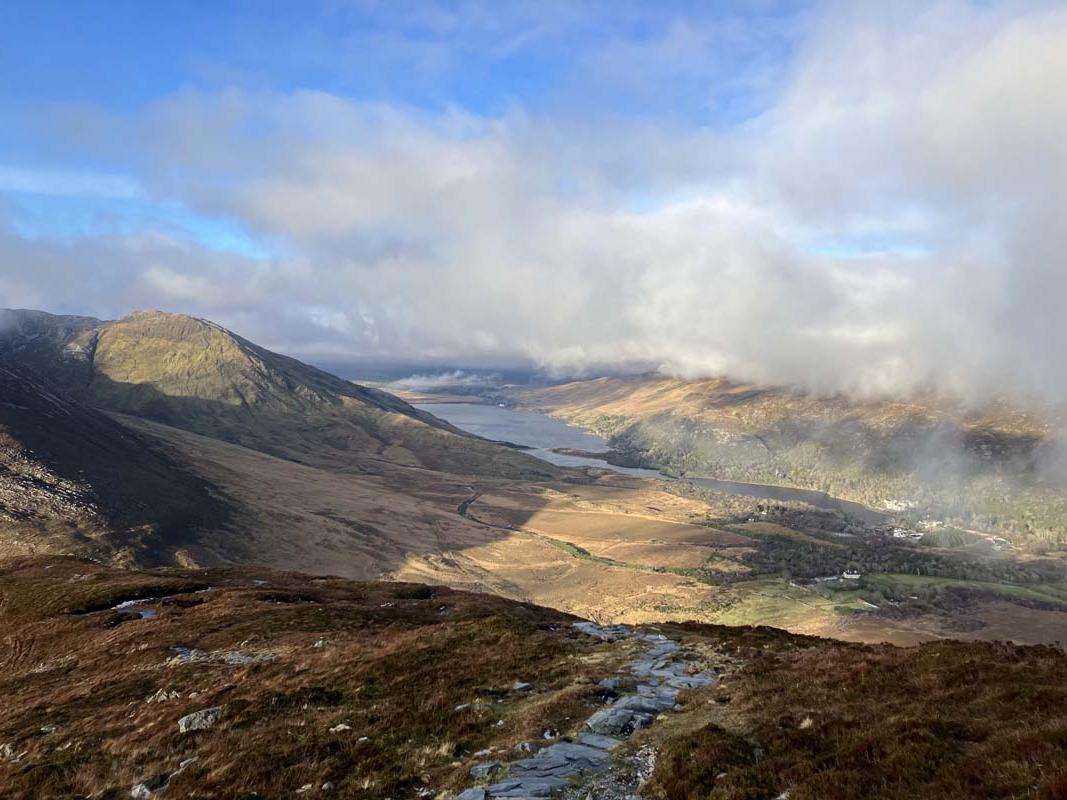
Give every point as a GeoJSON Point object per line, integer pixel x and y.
{"type": "Point", "coordinates": [363, 739]}
{"type": "Point", "coordinates": [520, 686]}
{"type": "Point", "coordinates": [49, 728]}
{"type": "Point", "coordinates": [144, 790]}
{"type": "Point", "coordinates": [483, 770]}
{"type": "Point", "coordinates": [462, 707]}
{"type": "Point", "coordinates": [471, 794]}
{"type": "Point", "coordinates": [327, 787]}
{"type": "Point", "coordinates": [550, 733]}
{"type": "Point", "coordinates": [163, 696]}
{"type": "Point", "coordinates": [200, 720]}
{"type": "Point", "coordinates": [340, 728]}
{"type": "Point", "coordinates": [806, 723]}
{"type": "Point", "coordinates": [307, 787]}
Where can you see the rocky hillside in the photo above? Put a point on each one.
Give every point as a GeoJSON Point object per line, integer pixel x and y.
{"type": "Point", "coordinates": [995, 467]}
{"type": "Point", "coordinates": [193, 374]}
{"type": "Point", "coordinates": [253, 683]}
{"type": "Point", "coordinates": [72, 475]}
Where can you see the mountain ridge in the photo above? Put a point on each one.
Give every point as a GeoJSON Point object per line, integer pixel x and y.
{"type": "Point", "coordinates": [197, 375]}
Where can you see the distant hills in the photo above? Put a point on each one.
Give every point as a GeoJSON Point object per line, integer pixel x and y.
{"type": "Point", "coordinates": [992, 466]}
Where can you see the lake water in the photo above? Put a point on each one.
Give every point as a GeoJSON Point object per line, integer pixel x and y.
{"type": "Point", "coordinates": [541, 433]}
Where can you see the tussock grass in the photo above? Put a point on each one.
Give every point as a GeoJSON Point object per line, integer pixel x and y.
{"type": "Point", "coordinates": [420, 676]}
{"type": "Point", "coordinates": [944, 720]}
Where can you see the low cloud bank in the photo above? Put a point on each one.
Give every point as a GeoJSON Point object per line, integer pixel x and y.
{"type": "Point", "coordinates": [453, 379]}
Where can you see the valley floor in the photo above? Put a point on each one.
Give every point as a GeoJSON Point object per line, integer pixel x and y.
{"type": "Point", "coordinates": [594, 543]}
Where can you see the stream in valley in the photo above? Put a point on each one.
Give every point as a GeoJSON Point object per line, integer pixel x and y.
{"type": "Point", "coordinates": [542, 433]}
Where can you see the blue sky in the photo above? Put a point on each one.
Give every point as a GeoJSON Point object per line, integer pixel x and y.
{"type": "Point", "coordinates": [710, 64]}
{"type": "Point", "coordinates": [571, 184]}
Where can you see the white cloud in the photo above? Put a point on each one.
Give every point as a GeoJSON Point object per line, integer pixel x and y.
{"type": "Point", "coordinates": [935, 131]}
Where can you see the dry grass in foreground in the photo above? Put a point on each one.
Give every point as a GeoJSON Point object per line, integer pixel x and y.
{"type": "Point", "coordinates": [942, 720]}
{"type": "Point", "coordinates": [419, 679]}
{"type": "Point", "coordinates": [377, 690]}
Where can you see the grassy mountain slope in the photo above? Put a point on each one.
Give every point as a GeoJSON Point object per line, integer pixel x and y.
{"type": "Point", "coordinates": [193, 374]}
{"type": "Point", "coordinates": [73, 477]}
{"type": "Point", "coordinates": [396, 690]}
{"type": "Point", "coordinates": [994, 467]}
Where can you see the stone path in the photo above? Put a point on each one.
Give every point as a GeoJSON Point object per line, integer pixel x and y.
{"type": "Point", "coordinates": [658, 674]}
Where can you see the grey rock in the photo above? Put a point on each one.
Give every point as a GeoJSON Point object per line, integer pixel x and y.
{"type": "Point", "coordinates": [483, 770]}
{"type": "Point", "coordinates": [526, 787]}
{"type": "Point", "coordinates": [611, 684]}
{"type": "Point", "coordinates": [200, 720]}
{"type": "Point", "coordinates": [599, 741]}
{"type": "Point", "coordinates": [691, 681]}
{"type": "Point", "coordinates": [610, 721]}
{"type": "Point", "coordinates": [145, 789]}
{"type": "Point", "coordinates": [643, 705]}
{"type": "Point", "coordinates": [502, 786]}
{"type": "Point", "coordinates": [471, 794]}
{"type": "Point", "coordinates": [520, 686]}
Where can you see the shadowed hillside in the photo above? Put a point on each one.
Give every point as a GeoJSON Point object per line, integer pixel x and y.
{"type": "Point", "coordinates": [72, 475]}
{"type": "Point", "coordinates": [193, 374]}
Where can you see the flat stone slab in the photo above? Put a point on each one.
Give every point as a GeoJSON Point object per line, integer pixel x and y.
{"type": "Point", "coordinates": [609, 721]}
{"type": "Point", "coordinates": [606, 633]}
{"type": "Point", "coordinates": [643, 705]}
{"type": "Point", "coordinates": [691, 681]}
{"type": "Point", "coordinates": [525, 787]}
{"type": "Point", "coordinates": [484, 769]}
{"type": "Point", "coordinates": [662, 674]}
{"type": "Point", "coordinates": [599, 741]}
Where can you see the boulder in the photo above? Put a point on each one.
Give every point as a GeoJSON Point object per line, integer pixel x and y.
{"type": "Point", "coordinates": [200, 720]}
{"type": "Point", "coordinates": [484, 770]}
